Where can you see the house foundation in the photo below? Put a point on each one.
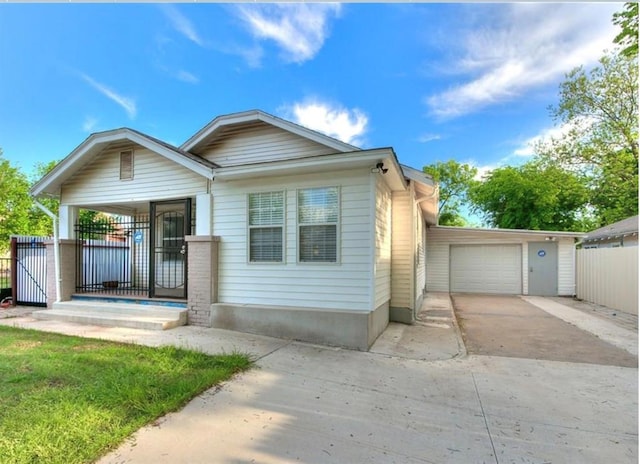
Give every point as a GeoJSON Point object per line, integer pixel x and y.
{"type": "Point", "coordinates": [350, 329]}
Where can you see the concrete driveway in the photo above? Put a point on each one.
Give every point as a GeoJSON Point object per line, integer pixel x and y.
{"type": "Point", "coordinates": [498, 325]}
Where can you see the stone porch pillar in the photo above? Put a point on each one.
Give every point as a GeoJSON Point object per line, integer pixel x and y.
{"type": "Point", "coordinates": [67, 271]}
{"type": "Point", "coordinates": [202, 278]}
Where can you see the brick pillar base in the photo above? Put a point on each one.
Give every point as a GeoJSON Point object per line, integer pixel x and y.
{"type": "Point", "coordinates": [202, 275]}
{"type": "Point", "coordinates": [67, 271]}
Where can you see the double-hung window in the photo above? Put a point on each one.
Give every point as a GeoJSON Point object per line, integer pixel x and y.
{"type": "Point", "coordinates": [318, 215]}
{"type": "Point", "coordinates": [266, 224]}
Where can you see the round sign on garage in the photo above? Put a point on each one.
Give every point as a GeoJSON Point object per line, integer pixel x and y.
{"type": "Point", "coordinates": [486, 269]}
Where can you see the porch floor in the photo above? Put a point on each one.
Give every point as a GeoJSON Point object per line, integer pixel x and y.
{"type": "Point", "coordinates": [141, 298]}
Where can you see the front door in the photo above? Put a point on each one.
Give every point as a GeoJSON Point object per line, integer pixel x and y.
{"type": "Point", "coordinates": [543, 268]}
{"type": "Point", "coordinates": [170, 223]}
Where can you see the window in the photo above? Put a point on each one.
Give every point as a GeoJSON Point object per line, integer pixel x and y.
{"type": "Point", "coordinates": [318, 213]}
{"type": "Point", "coordinates": [126, 165]}
{"type": "Point", "coordinates": [266, 223]}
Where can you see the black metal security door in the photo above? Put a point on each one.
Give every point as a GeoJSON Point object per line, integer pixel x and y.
{"type": "Point", "coordinates": [170, 223]}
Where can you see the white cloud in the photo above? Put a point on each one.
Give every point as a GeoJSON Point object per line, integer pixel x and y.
{"type": "Point", "coordinates": [182, 24]}
{"type": "Point", "coordinates": [424, 138]}
{"type": "Point", "coordinates": [125, 102]}
{"type": "Point", "coordinates": [186, 76]}
{"type": "Point", "coordinates": [525, 46]}
{"type": "Point", "coordinates": [299, 29]}
{"type": "Point", "coordinates": [484, 170]}
{"type": "Point", "coordinates": [344, 124]}
{"type": "Point", "coordinates": [89, 124]}
{"type": "Point", "coordinates": [526, 148]}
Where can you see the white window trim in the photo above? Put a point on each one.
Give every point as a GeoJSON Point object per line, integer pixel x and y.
{"type": "Point", "coordinates": [282, 229]}
{"type": "Point", "coordinates": [337, 224]}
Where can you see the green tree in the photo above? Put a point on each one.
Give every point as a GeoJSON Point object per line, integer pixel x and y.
{"type": "Point", "coordinates": [40, 223]}
{"type": "Point", "coordinates": [14, 202]}
{"type": "Point", "coordinates": [601, 108]}
{"type": "Point", "coordinates": [533, 197]}
{"type": "Point", "coordinates": [628, 36]}
{"type": "Point", "coordinates": [454, 180]}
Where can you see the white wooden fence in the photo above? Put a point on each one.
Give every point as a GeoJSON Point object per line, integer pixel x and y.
{"type": "Point", "coordinates": [609, 277]}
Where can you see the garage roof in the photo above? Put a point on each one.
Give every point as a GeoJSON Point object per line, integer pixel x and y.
{"type": "Point", "coordinates": [548, 233]}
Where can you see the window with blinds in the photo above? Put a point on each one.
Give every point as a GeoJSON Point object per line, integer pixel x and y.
{"type": "Point", "coordinates": [126, 165]}
{"type": "Point", "coordinates": [318, 214]}
{"type": "Point", "coordinates": [266, 224]}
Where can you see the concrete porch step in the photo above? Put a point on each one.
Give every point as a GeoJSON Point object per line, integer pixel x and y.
{"type": "Point", "coordinates": [128, 315]}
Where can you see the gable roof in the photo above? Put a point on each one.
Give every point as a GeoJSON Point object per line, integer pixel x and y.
{"type": "Point", "coordinates": [209, 131]}
{"type": "Point", "coordinates": [95, 143]}
{"type": "Point", "coordinates": [628, 226]}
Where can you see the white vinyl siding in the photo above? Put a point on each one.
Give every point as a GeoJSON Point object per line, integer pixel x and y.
{"type": "Point", "coordinates": [420, 256]}
{"type": "Point", "coordinates": [486, 269]}
{"type": "Point", "coordinates": [156, 178]}
{"type": "Point", "coordinates": [266, 221]}
{"type": "Point", "coordinates": [260, 143]}
{"type": "Point", "coordinates": [439, 241]}
{"type": "Point", "coordinates": [382, 265]}
{"type": "Point", "coordinates": [346, 285]}
{"type": "Point", "coordinates": [402, 255]}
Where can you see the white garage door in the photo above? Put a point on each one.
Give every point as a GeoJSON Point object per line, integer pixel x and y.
{"type": "Point", "coordinates": [486, 269]}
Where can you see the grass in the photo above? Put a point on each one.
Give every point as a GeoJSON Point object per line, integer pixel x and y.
{"type": "Point", "coordinates": [70, 399]}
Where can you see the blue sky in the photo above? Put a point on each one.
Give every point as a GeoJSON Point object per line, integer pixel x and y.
{"type": "Point", "coordinates": [470, 82]}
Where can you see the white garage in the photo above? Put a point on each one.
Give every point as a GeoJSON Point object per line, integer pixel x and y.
{"type": "Point", "coordinates": [486, 269]}
{"type": "Point", "coordinates": [502, 261]}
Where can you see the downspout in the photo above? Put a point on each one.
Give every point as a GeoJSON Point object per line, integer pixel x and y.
{"type": "Point", "coordinates": [56, 247]}
{"type": "Point", "coordinates": [575, 271]}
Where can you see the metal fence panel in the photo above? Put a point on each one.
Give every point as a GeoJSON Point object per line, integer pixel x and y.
{"type": "Point", "coordinates": [30, 267]}
{"type": "Point", "coordinates": [609, 277]}
{"type": "Point", "coordinates": [113, 257]}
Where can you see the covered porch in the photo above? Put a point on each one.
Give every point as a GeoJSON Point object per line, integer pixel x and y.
{"type": "Point", "coordinates": [132, 210]}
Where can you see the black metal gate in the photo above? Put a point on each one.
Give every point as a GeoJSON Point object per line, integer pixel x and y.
{"type": "Point", "coordinates": [112, 256]}
{"type": "Point", "coordinates": [29, 270]}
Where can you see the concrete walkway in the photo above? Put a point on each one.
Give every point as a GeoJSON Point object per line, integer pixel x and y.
{"type": "Point", "coordinates": [606, 330]}
{"type": "Point", "coordinates": [313, 404]}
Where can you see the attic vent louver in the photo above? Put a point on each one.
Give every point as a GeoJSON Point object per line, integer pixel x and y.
{"type": "Point", "coordinates": [126, 165]}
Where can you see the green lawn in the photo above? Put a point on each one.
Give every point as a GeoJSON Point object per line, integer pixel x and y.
{"type": "Point", "coordinates": [70, 399]}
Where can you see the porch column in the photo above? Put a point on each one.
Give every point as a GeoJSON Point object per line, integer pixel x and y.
{"type": "Point", "coordinates": [67, 271]}
{"type": "Point", "coordinates": [204, 214]}
{"type": "Point", "coordinates": [202, 278]}
{"type": "Point", "coordinates": [67, 218]}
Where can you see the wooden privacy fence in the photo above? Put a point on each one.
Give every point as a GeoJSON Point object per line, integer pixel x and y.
{"type": "Point", "coordinates": [608, 277]}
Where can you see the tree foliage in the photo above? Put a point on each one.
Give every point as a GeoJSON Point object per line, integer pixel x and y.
{"type": "Point", "coordinates": [454, 180]}
{"type": "Point", "coordinates": [601, 108]}
{"type": "Point", "coordinates": [40, 223]}
{"type": "Point", "coordinates": [531, 196]}
{"type": "Point", "coordinates": [627, 19]}
{"type": "Point", "coordinates": [15, 202]}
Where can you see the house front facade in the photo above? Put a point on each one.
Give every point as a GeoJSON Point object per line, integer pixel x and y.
{"type": "Point", "coordinates": [256, 224]}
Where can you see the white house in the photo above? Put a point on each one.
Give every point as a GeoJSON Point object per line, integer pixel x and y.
{"type": "Point", "coordinates": [255, 224]}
